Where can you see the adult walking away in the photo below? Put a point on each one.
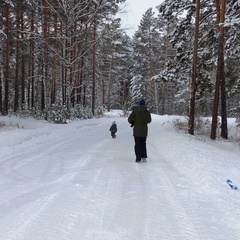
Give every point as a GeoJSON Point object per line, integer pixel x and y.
{"type": "Point", "coordinates": [139, 119]}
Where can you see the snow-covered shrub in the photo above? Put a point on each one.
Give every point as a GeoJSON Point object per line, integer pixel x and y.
{"type": "Point", "coordinates": [38, 114]}
{"type": "Point", "coordinates": [2, 124]}
{"type": "Point", "coordinates": [99, 112]}
{"type": "Point", "coordinates": [202, 125]}
{"type": "Point", "coordinates": [24, 113]}
{"type": "Point", "coordinates": [9, 124]}
{"type": "Point", "coordinates": [238, 118]}
{"type": "Point", "coordinates": [180, 124]}
{"type": "Point", "coordinates": [57, 113]}
{"type": "Point", "coordinates": [238, 126]}
{"type": "Point", "coordinates": [235, 112]}
{"type": "Point", "coordinates": [80, 112]}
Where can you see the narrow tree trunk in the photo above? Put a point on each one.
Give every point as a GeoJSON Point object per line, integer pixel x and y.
{"type": "Point", "coordinates": [63, 70]}
{"type": "Point", "coordinates": [73, 71]}
{"type": "Point", "coordinates": [94, 66]}
{"type": "Point", "coordinates": [164, 87]}
{"type": "Point", "coordinates": [45, 49]}
{"type": "Point", "coordinates": [150, 66]}
{"type": "Point", "coordinates": [220, 72]}
{"type": "Point", "coordinates": [29, 84]}
{"type": "Point", "coordinates": [1, 82]}
{"type": "Point", "coordinates": [16, 84]}
{"type": "Point", "coordinates": [110, 81]}
{"type": "Point", "coordinates": [1, 88]}
{"type": "Point", "coordinates": [80, 83]}
{"type": "Point", "coordinates": [54, 64]}
{"type": "Point", "coordinates": [7, 59]}
{"type": "Point", "coordinates": [103, 91]}
{"type": "Point", "coordinates": [66, 71]}
{"type": "Point", "coordinates": [32, 46]}
{"type": "Point", "coordinates": [82, 89]}
{"type": "Point", "coordinates": [224, 129]}
{"type": "Point", "coordinates": [215, 105]}
{"type": "Point", "coordinates": [194, 72]}
{"type": "Point", "coordinates": [23, 63]}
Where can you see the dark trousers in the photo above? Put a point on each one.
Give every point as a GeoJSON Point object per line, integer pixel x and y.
{"type": "Point", "coordinates": [113, 134]}
{"type": "Point", "coordinates": [140, 148]}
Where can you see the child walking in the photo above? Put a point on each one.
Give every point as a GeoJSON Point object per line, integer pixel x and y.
{"type": "Point", "coordinates": [113, 129]}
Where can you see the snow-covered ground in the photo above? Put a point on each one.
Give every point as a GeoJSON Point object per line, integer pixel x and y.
{"type": "Point", "coordinates": [74, 182]}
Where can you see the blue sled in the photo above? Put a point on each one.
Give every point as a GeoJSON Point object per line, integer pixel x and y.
{"type": "Point", "coordinates": [230, 183]}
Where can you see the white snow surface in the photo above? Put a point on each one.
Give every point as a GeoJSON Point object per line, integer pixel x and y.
{"type": "Point", "coordinates": [74, 182]}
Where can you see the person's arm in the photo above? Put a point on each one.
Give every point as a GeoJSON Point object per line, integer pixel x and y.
{"type": "Point", "coordinates": [149, 117]}
{"type": "Point", "coordinates": [131, 117]}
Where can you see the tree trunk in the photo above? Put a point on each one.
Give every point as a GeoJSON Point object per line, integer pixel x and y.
{"type": "Point", "coordinates": [45, 49]}
{"type": "Point", "coordinates": [110, 81]}
{"type": "Point", "coordinates": [1, 82]}
{"type": "Point", "coordinates": [1, 88]}
{"type": "Point", "coordinates": [94, 66]}
{"type": "Point", "coordinates": [194, 72]}
{"type": "Point", "coordinates": [164, 84]}
{"type": "Point", "coordinates": [16, 84]}
{"type": "Point", "coordinates": [63, 71]}
{"type": "Point", "coordinates": [220, 73]}
{"type": "Point", "coordinates": [54, 64]}
{"type": "Point", "coordinates": [23, 63]}
{"type": "Point", "coordinates": [224, 128]}
{"type": "Point", "coordinates": [73, 71]}
{"type": "Point", "coordinates": [80, 83]}
{"type": "Point", "coordinates": [6, 72]}
{"type": "Point", "coordinates": [32, 47]}
{"type": "Point", "coordinates": [150, 66]}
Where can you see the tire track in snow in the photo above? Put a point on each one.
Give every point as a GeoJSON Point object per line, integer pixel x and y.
{"type": "Point", "coordinates": [127, 218]}
{"type": "Point", "coordinates": [21, 179]}
{"type": "Point", "coordinates": [21, 224]}
{"type": "Point", "coordinates": [49, 150]}
{"type": "Point", "coordinates": [35, 221]}
{"type": "Point", "coordinates": [116, 193]}
{"type": "Point", "coordinates": [43, 212]}
{"type": "Point", "coordinates": [198, 198]}
{"type": "Point", "coordinates": [11, 168]}
{"type": "Point", "coordinates": [167, 201]}
{"type": "Point", "coordinates": [208, 202]}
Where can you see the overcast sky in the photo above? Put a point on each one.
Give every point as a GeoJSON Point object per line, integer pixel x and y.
{"type": "Point", "coordinates": [134, 11]}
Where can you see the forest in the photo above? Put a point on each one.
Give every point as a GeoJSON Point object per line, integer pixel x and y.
{"type": "Point", "coordinates": [67, 59]}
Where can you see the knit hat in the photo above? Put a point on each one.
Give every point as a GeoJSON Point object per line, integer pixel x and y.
{"type": "Point", "coordinates": [142, 102]}
{"type": "Point", "coordinates": [113, 122]}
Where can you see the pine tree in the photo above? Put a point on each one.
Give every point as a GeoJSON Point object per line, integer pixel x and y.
{"type": "Point", "coordinates": [146, 42]}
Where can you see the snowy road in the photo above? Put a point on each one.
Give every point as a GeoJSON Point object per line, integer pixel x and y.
{"type": "Point", "coordinates": [72, 182]}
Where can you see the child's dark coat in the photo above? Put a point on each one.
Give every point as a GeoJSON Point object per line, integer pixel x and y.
{"type": "Point", "coordinates": [113, 129]}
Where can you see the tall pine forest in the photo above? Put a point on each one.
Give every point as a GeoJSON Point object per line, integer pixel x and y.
{"type": "Point", "coordinates": [67, 59]}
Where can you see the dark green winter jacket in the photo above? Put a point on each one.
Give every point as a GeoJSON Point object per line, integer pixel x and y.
{"type": "Point", "coordinates": [139, 118]}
